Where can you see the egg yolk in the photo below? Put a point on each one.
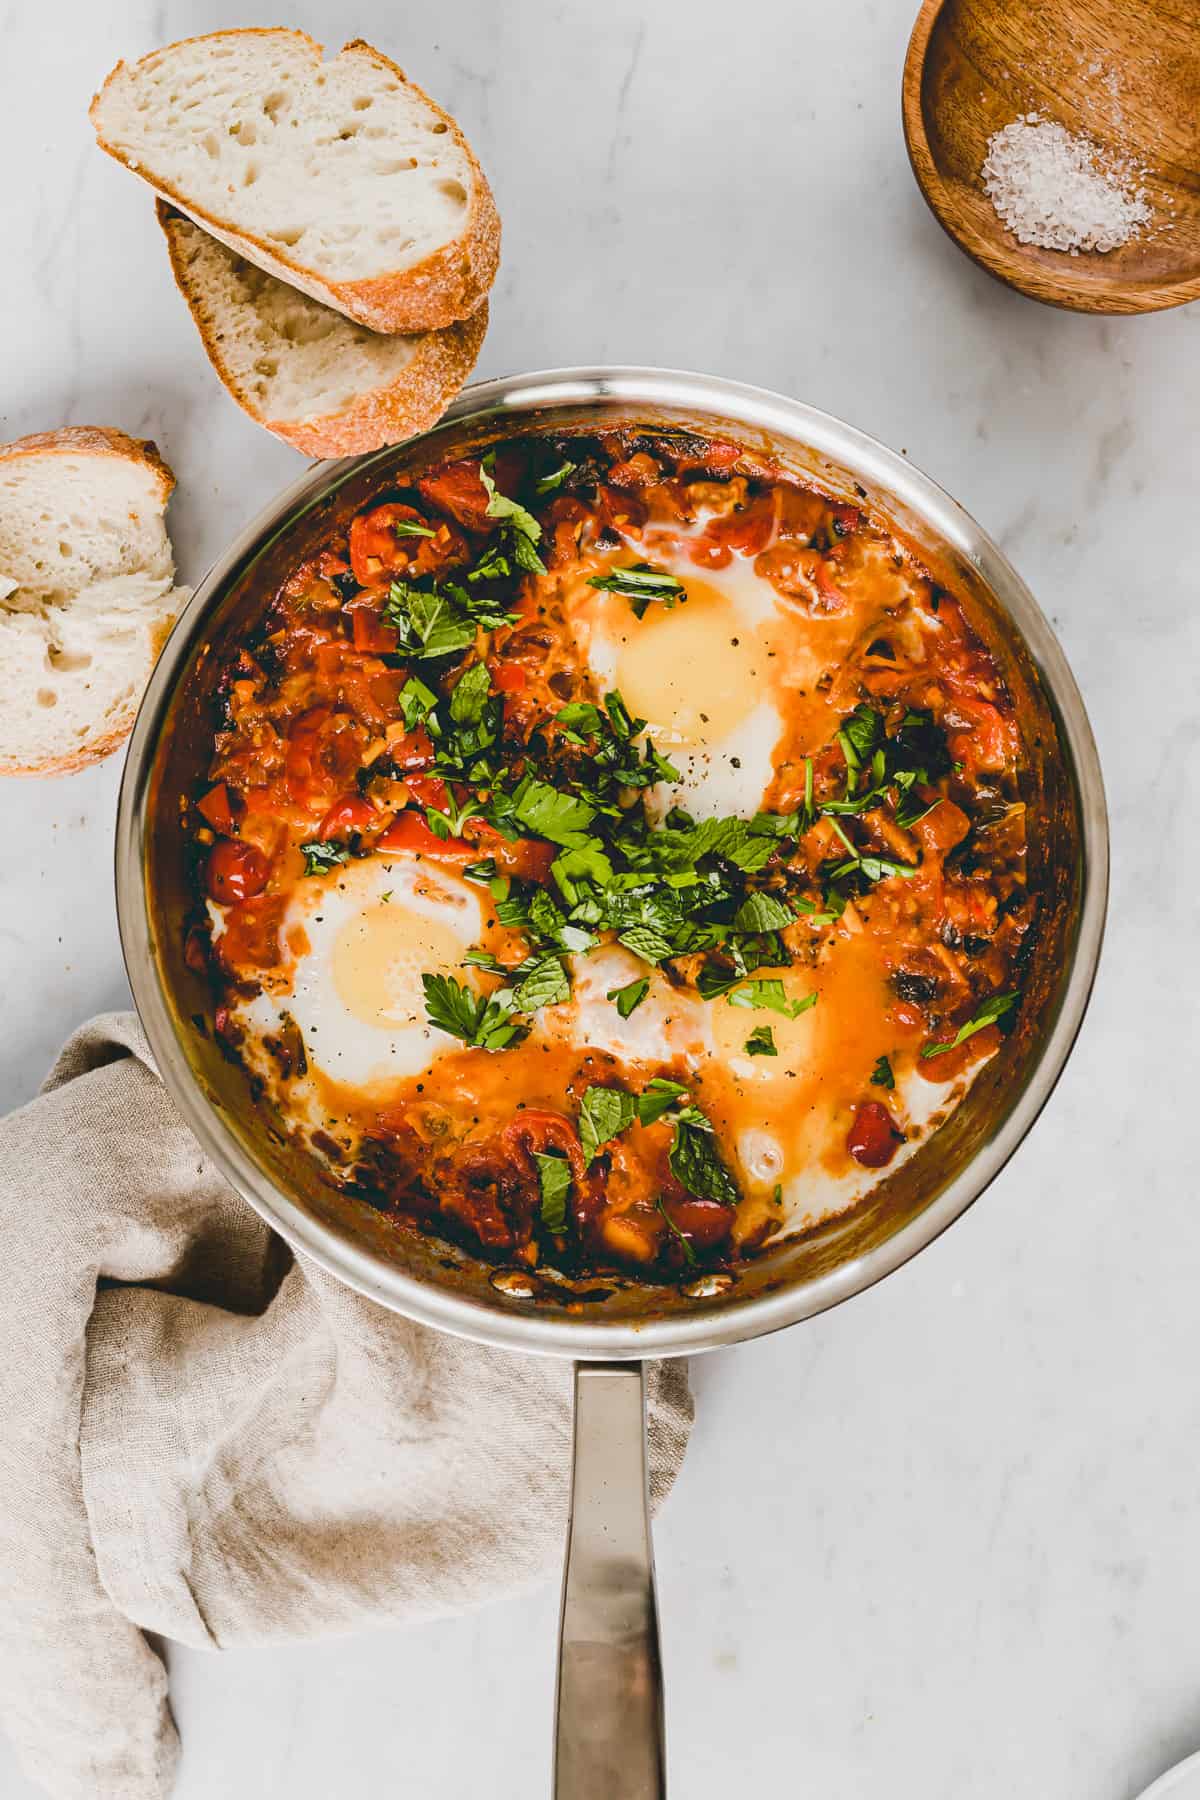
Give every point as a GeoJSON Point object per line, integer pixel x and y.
{"type": "Point", "coordinates": [795, 1039]}
{"type": "Point", "coordinates": [694, 670]}
{"type": "Point", "coordinates": [379, 957]}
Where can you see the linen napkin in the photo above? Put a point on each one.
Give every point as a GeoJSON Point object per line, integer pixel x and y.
{"type": "Point", "coordinates": [206, 1437]}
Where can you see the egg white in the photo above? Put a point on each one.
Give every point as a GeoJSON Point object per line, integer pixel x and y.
{"type": "Point", "coordinates": [357, 942]}
{"type": "Point", "coordinates": [699, 673]}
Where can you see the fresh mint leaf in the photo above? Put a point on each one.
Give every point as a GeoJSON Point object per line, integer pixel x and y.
{"type": "Point", "coordinates": [545, 984]}
{"type": "Point", "coordinates": [416, 702]}
{"type": "Point", "coordinates": [881, 1074]}
{"type": "Point", "coordinates": [656, 1098]}
{"type": "Point", "coordinates": [647, 943]}
{"type": "Point", "coordinates": [604, 1114]}
{"type": "Point", "coordinates": [696, 1164]}
{"type": "Point", "coordinates": [762, 912]}
{"type": "Point", "coordinates": [501, 507]}
{"type": "Point", "coordinates": [470, 695]}
{"type": "Point", "coordinates": [410, 528]}
{"type": "Point", "coordinates": [554, 1185]}
{"type": "Point", "coordinates": [761, 1042]}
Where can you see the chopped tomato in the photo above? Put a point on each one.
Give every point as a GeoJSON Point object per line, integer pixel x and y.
{"type": "Point", "coordinates": [217, 808]}
{"type": "Point", "coordinates": [412, 751]}
{"type": "Point", "coordinates": [637, 471]}
{"type": "Point", "coordinates": [350, 813]}
{"type": "Point", "coordinates": [427, 790]}
{"type": "Point", "coordinates": [458, 490]}
{"type": "Point", "coordinates": [539, 1129]}
{"type": "Point", "coordinates": [942, 828]}
{"type": "Point", "coordinates": [702, 1222]}
{"type": "Point", "coordinates": [873, 1137]}
{"type": "Point", "coordinates": [377, 550]}
{"type": "Point", "coordinates": [236, 871]}
{"type": "Point", "coordinates": [510, 678]}
{"type": "Point", "coordinates": [370, 632]}
{"type": "Point", "coordinates": [529, 859]}
{"type": "Point", "coordinates": [410, 832]}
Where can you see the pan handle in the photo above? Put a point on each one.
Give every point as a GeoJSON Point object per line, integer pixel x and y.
{"type": "Point", "coordinates": [609, 1724]}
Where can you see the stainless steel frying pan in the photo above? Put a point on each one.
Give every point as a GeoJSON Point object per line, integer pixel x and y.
{"type": "Point", "coordinates": [609, 1711]}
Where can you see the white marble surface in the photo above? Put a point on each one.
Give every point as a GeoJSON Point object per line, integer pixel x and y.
{"type": "Point", "coordinates": [943, 1544]}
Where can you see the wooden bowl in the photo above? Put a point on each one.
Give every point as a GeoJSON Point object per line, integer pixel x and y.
{"type": "Point", "coordinates": [1124, 73]}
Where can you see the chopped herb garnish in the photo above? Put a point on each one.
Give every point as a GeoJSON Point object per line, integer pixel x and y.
{"type": "Point", "coordinates": [554, 1184]}
{"type": "Point", "coordinates": [548, 483]}
{"type": "Point", "coordinates": [881, 1074]}
{"type": "Point", "coordinates": [762, 912]}
{"type": "Point", "coordinates": [322, 855]}
{"type": "Point", "coordinates": [993, 1009]}
{"type": "Point", "coordinates": [410, 528]}
{"type": "Point", "coordinates": [673, 1228]}
{"type": "Point", "coordinates": [641, 584]}
{"type": "Point", "coordinates": [696, 1164]}
{"type": "Point", "coordinates": [416, 702]}
{"type": "Point", "coordinates": [628, 998]}
{"type": "Point", "coordinates": [657, 1098]}
{"type": "Point", "coordinates": [485, 1022]}
{"type": "Point", "coordinates": [769, 993]}
{"type": "Point", "coordinates": [604, 1114]}
{"type": "Point", "coordinates": [470, 695]}
{"type": "Point", "coordinates": [544, 983]}
{"type": "Point", "coordinates": [761, 1042]}
{"type": "Point", "coordinates": [522, 528]}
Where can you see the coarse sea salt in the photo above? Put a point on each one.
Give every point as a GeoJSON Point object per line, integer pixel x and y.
{"type": "Point", "coordinates": [1057, 190]}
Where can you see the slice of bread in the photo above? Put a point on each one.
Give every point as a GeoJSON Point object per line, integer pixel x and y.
{"type": "Point", "coordinates": [313, 377]}
{"type": "Point", "coordinates": [87, 593]}
{"type": "Point", "coordinates": [341, 177]}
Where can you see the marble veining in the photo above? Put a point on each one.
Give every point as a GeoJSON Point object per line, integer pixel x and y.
{"type": "Point", "coordinates": [943, 1544]}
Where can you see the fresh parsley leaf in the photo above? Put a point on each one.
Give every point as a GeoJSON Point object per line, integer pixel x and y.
{"type": "Point", "coordinates": [762, 912]}
{"type": "Point", "coordinates": [604, 1114]}
{"type": "Point", "coordinates": [554, 1184]}
{"type": "Point", "coordinates": [493, 565]}
{"type": "Point", "coordinates": [769, 994]}
{"type": "Point", "coordinates": [673, 1228]}
{"type": "Point", "coordinates": [485, 1022]}
{"type": "Point", "coordinates": [696, 1164]}
{"type": "Point", "coordinates": [470, 695]}
{"type": "Point", "coordinates": [861, 732]}
{"type": "Point", "coordinates": [627, 998]}
{"type": "Point", "coordinates": [410, 528]}
{"type": "Point", "coordinates": [321, 855]}
{"type": "Point", "coordinates": [548, 483]}
{"type": "Point", "coordinates": [545, 984]}
{"type": "Point", "coordinates": [581, 720]}
{"type": "Point", "coordinates": [416, 702]}
{"type": "Point", "coordinates": [547, 813]}
{"type": "Point", "coordinates": [881, 1074]}
{"type": "Point", "coordinates": [993, 1008]}
{"type": "Point", "coordinates": [761, 1042]}
{"type": "Point", "coordinates": [641, 584]}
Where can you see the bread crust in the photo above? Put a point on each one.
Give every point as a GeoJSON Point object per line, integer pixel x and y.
{"type": "Point", "coordinates": [91, 440]}
{"type": "Point", "coordinates": [448, 286]}
{"type": "Point", "coordinates": [411, 403]}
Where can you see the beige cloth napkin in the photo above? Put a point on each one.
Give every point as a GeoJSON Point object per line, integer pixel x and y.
{"type": "Point", "coordinates": [206, 1437]}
